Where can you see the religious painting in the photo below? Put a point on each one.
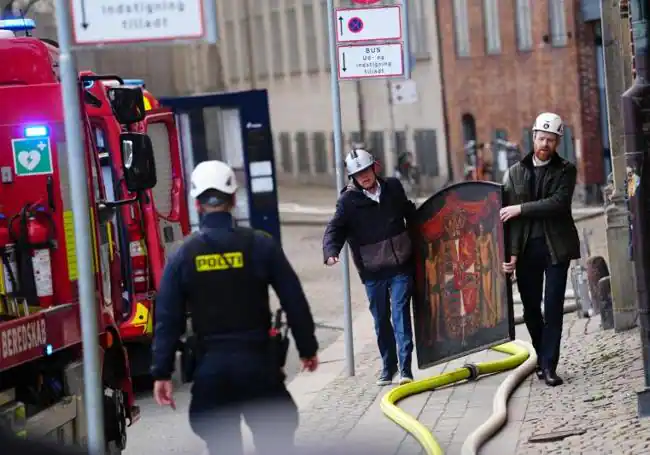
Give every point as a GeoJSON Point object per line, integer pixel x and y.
{"type": "Point", "coordinates": [462, 299]}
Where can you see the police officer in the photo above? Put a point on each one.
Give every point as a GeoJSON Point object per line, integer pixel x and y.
{"type": "Point", "coordinates": [222, 274]}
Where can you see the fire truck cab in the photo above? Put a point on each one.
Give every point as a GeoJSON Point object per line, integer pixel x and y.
{"type": "Point", "coordinates": [149, 229]}
{"type": "Point", "coordinates": [41, 368]}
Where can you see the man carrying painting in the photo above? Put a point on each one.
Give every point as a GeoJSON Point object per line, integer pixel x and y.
{"type": "Point", "coordinates": [371, 216]}
{"type": "Point", "coordinates": [543, 238]}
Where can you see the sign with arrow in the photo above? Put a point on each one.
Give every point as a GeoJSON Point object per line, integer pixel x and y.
{"type": "Point", "coordinates": [368, 24]}
{"type": "Point", "coordinates": [371, 61]}
{"type": "Point", "coordinates": [98, 22]}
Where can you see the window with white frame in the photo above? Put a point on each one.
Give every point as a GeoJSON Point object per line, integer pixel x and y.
{"type": "Point", "coordinates": [277, 48]}
{"type": "Point", "coordinates": [524, 26]}
{"type": "Point", "coordinates": [259, 46]}
{"type": "Point", "coordinates": [293, 47]}
{"type": "Point", "coordinates": [311, 42]}
{"type": "Point", "coordinates": [461, 28]}
{"type": "Point", "coordinates": [231, 51]}
{"type": "Point", "coordinates": [418, 31]}
{"type": "Point", "coordinates": [557, 19]}
{"type": "Point", "coordinates": [492, 31]}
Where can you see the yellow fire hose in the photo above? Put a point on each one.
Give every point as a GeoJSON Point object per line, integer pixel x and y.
{"type": "Point", "coordinates": [521, 354]}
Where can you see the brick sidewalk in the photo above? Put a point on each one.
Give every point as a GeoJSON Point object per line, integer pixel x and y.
{"type": "Point", "coordinates": [602, 370]}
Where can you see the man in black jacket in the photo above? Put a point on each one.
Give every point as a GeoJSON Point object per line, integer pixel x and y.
{"type": "Point", "coordinates": [543, 238]}
{"type": "Point", "coordinates": [370, 215]}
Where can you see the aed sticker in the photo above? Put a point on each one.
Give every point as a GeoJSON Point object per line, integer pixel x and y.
{"type": "Point", "coordinates": [225, 261]}
{"type": "Point", "coordinates": [32, 156]}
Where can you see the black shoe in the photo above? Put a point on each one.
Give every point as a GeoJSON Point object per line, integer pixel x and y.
{"type": "Point", "coordinates": [385, 378]}
{"type": "Point", "coordinates": [539, 373]}
{"type": "Point", "coordinates": [552, 379]}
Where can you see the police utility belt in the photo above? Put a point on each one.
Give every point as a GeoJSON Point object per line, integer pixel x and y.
{"type": "Point", "coordinates": [194, 346]}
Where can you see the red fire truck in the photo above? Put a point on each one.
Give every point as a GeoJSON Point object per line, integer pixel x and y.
{"type": "Point", "coordinates": [41, 369]}
{"type": "Point", "coordinates": [148, 230]}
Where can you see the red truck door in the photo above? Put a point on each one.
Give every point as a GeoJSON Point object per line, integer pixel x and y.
{"type": "Point", "coordinates": [169, 193]}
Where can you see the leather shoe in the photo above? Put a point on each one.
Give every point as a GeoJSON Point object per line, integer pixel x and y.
{"type": "Point", "coordinates": [539, 373]}
{"type": "Point", "coordinates": [552, 379]}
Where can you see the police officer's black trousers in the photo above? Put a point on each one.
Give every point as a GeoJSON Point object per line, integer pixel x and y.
{"type": "Point", "coordinates": [545, 331]}
{"type": "Point", "coordinates": [232, 381]}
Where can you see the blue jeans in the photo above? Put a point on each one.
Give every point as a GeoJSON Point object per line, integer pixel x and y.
{"type": "Point", "coordinates": [392, 297]}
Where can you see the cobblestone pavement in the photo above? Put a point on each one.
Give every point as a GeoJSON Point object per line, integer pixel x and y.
{"type": "Point", "coordinates": [603, 370]}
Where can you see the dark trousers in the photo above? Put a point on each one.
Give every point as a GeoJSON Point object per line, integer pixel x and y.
{"type": "Point", "coordinates": [231, 382]}
{"type": "Point", "coordinates": [545, 331]}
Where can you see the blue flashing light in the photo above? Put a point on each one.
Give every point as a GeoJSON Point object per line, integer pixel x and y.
{"type": "Point", "coordinates": [18, 24]}
{"type": "Point", "coordinates": [49, 350]}
{"type": "Point", "coordinates": [88, 84]}
{"type": "Point", "coordinates": [134, 82]}
{"type": "Point", "coordinates": [36, 131]}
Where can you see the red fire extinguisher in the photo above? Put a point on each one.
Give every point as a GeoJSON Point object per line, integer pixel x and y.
{"type": "Point", "coordinates": [40, 235]}
{"type": "Point", "coordinates": [34, 241]}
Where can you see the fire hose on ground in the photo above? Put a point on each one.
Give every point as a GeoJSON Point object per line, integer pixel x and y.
{"type": "Point", "coordinates": [522, 360]}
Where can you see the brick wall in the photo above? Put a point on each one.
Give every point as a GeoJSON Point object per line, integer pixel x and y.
{"type": "Point", "coordinates": [508, 90]}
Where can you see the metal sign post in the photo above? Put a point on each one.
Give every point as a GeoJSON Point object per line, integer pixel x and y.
{"type": "Point", "coordinates": [74, 133]}
{"type": "Point", "coordinates": [87, 22]}
{"type": "Point", "coordinates": [364, 43]}
{"type": "Point", "coordinates": [340, 184]}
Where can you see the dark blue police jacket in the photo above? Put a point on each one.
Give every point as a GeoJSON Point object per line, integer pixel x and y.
{"type": "Point", "coordinates": [269, 264]}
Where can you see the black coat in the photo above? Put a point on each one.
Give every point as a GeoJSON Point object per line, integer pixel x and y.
{"type": "Point", "coordinates": [553, 208]}
{"type": "Point", "coordinates": [376, 232]}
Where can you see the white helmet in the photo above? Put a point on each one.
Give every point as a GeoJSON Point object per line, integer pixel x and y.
{"type": "Point", "coordinates": [213, 175]}
{"type": "Point", "coordinates": [358, 160]}
{"type": "Point", "coordinates": [549, 122]}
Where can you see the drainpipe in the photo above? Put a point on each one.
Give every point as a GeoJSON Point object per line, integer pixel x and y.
{"type": "Point", "coordinates": [636, 115]}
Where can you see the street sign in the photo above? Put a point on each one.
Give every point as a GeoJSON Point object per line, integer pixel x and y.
{"type": "Point", "coordinates": [370, 61]}
{"type": "Point", "coordinates": [404, 92]}
{"type": "Point", "coordinates": [368, 24]}
{"type": "Point", "coordinates": [96, 23]}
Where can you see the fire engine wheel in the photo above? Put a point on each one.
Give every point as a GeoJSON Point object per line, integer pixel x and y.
{"type": "Point", "coordinates": [115, 415]}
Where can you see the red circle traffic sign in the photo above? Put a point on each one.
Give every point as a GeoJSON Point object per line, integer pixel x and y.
{"type": "Point", "coordinates": [365, 2]}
